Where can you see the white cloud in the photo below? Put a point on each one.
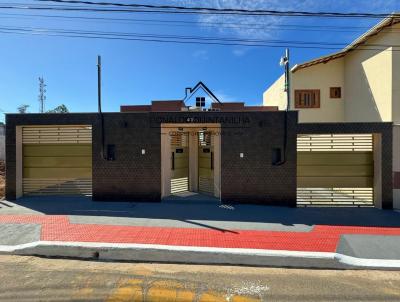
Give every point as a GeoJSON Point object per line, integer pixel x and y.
{"type": "Point", "coordinates": [240, 52]}
{"type": "Point", "coordinates": [244, 26]}
{"type": "Point", "coordinates": [200, 54]}
{"type": "Point", "coordinates": [266, 27]}
{"type": "Point", "coordinates": [223, 97]}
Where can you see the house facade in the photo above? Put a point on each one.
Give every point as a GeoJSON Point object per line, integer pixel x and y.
{"type": "Point", "coordinates": [195, 145]}
{"type": "Point", "coordinates": [361, 83]}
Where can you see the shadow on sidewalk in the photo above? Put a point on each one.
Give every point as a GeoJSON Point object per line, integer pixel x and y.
{"type": "Point", "coordinates": [203, 208]}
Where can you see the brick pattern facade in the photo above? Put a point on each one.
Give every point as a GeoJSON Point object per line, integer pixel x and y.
{"type": "Point", "coordinates": [131, 176]}
{"type": "Point", "coordinates": [251, 179]}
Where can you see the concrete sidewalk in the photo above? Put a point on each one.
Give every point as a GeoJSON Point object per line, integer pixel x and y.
{"type": "Point", "coordinates": [201, 232]}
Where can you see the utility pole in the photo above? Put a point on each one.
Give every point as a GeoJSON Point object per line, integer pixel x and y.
{"type": "Point", "coordinates": [285, 62]}
{"type": "Point", "coordinates": [42, 94]}
{"type": "Point", "coordinates": [99, 82]}
{"type": "Point", "coordinates": [103, 155]}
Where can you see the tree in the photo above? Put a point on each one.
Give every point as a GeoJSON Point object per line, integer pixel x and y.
{"type": "Point", "coordinates": [23, 108]}
{"type": "Point", "coordinates": [59, 109]}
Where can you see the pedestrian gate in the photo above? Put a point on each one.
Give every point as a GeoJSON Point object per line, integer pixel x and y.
{"type": "Point", "coordinates": [179, 162]}
{"type": "Point", "coordinates": [206, 163]}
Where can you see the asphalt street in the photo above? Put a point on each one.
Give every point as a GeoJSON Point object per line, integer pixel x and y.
{"type": "Point", "coordinates": [39, 279]}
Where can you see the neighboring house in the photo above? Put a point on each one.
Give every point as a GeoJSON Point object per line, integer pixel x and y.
{"type": "Point", "coordinates": [361, 83]}
{"type": "Point", "coordinates": [2, 141]}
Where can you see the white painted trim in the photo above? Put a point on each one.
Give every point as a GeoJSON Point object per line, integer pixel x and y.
{"type": "Point", "coordinates": [363, 262]}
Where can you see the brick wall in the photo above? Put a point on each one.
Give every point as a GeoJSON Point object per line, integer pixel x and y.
{"type": "Point", "coordinates": [132, 176]}
{"type": "Point", "coordinates": [251, 179]}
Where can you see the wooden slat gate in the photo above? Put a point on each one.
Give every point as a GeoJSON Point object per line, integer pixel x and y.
{"type": "Point", "coordinates": [57, 160]}
{"type": "Point", "coordinates": [180, 162]}
{"type": "Point", "coordinates": [335, 170]}
{"type": "Point", "coordinates": [206, 163]}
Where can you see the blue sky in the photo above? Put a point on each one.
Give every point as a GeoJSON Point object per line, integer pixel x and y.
{"type": "Point", "coordinates": [138, 72]}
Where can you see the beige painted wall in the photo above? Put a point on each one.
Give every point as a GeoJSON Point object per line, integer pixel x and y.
{"type": "Point", "coordinates": [275, 94]}
{"type": "Point", "coordinates": [368, 81]}
{"type": "Point", "coordinates": [165, 162]}
{"type": "Point", "coordinates": [395, 32]}
{"type": "Point", "coordinates": [322, 77]}
{"type": "Point", "coordinates": [216, 142]}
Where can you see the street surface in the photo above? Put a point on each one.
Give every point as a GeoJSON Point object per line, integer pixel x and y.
{"type": "Point", "coordinates": [39, 279]}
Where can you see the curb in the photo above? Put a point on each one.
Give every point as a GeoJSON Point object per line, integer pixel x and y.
{"type": "Point", "coordinates": [197, 255]}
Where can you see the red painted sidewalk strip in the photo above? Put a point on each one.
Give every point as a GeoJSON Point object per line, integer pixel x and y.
{"type": "Point", "coordinates": [322, 238]}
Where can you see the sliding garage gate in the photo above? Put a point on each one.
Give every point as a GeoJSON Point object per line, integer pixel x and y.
{"type": "Point", "coordinates": [57, 160]}
{"type": "Point", "coordinates": [335, 170]}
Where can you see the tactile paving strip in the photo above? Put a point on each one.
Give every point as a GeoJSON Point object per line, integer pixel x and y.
{"type": "Point", "coordinates": [323, 238]}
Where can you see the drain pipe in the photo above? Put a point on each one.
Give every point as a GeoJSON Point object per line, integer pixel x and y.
{"type": "Point", "coordinates": [99, 104]}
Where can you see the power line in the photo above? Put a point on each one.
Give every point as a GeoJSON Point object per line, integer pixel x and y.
{"type": "Point", "coordinates": [230, 39]}
{"type": "Point", "coordinates": [184, 23]}
{"type": "Point", "coordinates": [191, 11]}
{"type": "Point", "coordinates": [187, 22]}
{"type": "Point", "coordinates": [152, 35]}
{"type": "Point", "coordinates": [228, 10]}
{"type": "Point", "coordinates": [175, 39]}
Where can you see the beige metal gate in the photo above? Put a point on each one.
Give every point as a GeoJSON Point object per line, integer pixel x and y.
{"type": "Point", "coordinates": [179, 162]}
{"type": "Point", "coordinates": [57, 160]}
{"type": "Point", "coordinates": [206, 163]}
{"type": "Point", "coordinates": [335, 170]}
